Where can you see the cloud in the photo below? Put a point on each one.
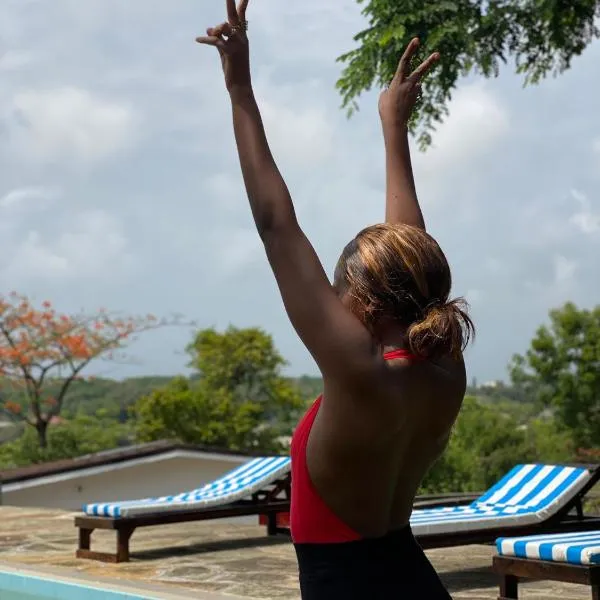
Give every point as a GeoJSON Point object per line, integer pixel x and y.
{"type": "Point", "coordinates": [27, 195]}
{"type": "Point", "coordinates": [90, 245]}
{"type": "Point", "coordinates": [302, 136]}
{"type": "Point", "coordinates": [476, 122]}
{"type": "Point", "coordinates": [68, 123]}
{"type": "Point", "coordinates": [564, 269]}
{"type": "Point", "coordinates": [585, 219]}
{"type": "Point", "coordinates": [226, 188]}
{"type": "Point", "coordinates": [14, 60]}
{"type": "Point", "coordinates": [90, 215]}
{"type": "Point", "coordinates": [316, 19]}
{"type": "Point", "coordinates": [474, 297]}
{"type": "Point", "coordinates": [235, 249]}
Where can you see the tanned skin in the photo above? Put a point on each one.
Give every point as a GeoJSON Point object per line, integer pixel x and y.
{"type": "Point", "coordinates": [395, 108]}
{"type": "Point", "coordinates": [381, 424]}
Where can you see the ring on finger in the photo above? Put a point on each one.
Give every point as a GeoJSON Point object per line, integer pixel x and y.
{"type": "Point", "coordinates": [242, 26]}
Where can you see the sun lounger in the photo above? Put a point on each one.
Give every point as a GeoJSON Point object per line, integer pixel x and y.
{"type": "Point", "coordinates": [530, 499]}
{"type": "Point", "coordinates": [259, 487]}
{"type": "Point", "coordinates": [567, 557]}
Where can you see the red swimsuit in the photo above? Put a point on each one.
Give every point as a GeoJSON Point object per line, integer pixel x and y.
{"type": "Point", "coordinates": [311, 520]}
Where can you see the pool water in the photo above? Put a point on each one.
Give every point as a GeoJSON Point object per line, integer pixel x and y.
{"type": "Point", "coordinates": [18, 585]}
{"type": "Point", "coordinates": [17, 596]}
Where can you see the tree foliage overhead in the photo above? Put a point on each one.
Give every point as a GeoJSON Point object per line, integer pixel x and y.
{"type": "Point", "coordinates": [541, 36]}
{"type": "Point", "coordinates": [562, 368]}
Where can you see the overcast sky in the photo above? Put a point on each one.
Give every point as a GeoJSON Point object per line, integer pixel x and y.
{"type": "Point", "coordinates": [120, 187]}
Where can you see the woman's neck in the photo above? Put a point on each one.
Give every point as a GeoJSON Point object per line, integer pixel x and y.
{"type": "Point", "coordinates": [392, 337]}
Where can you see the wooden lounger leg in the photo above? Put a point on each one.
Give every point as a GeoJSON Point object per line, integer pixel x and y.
{"type": "Point", "coordinates": [123, 537]}
{"type": "Point", "coordinates": [595, 592]}
{"type": "Point", "coordinates": [272, 524]}
{"type": "Point", "coordinates": [85, 538]}
{"type": "Point", "coordinates": [122, 555]}
{"type": "Point", "coordinates": [509, 587]}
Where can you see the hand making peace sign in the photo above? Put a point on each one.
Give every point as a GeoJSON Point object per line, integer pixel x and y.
{"type": "Point", "coordinates": [398, 100]}
{"type": "Point", "coordinates": [230, 39]}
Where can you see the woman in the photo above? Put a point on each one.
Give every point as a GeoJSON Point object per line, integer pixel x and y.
{"type": "Point", "coordinates": [387, 340]}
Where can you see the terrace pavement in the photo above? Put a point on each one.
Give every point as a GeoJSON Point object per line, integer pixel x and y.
{"type": "Point", "coordinates": [211, 559]}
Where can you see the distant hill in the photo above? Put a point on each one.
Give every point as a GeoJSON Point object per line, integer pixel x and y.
{"type": "Point", "coordinates": [115, 397]}
{"type": "Point", "coordinates": [112, 396]}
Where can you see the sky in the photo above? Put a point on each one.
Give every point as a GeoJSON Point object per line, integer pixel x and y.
{"type": "Point", "coordinates": [120, 186]}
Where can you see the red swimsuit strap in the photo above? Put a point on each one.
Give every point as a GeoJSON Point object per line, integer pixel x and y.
{"type": "Point", "coordinates": [401, 353]}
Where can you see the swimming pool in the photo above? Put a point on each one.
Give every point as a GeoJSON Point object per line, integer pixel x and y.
{"type": "Point", "coordinates": [21, 584]}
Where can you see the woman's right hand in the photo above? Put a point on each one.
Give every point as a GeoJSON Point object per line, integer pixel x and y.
{"type": "Point", "coordinates": [396, 103]}
{"type": "Point", "coordinates": [231, 40]}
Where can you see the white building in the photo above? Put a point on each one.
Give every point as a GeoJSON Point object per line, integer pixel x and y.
{"type": "Point", "coordinates": [154, 469]}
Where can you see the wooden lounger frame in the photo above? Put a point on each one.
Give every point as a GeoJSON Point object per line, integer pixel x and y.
{"type": "Point", "coordinates": [273, 499]}
{"type": "Point", "coordinates": [511, 569]}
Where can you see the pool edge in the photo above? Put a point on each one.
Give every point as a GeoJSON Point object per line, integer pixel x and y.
{"type": "Point", "coordinates": [75, 579]}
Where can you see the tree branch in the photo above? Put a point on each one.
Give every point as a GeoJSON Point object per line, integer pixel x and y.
{"type": "Point", "coordinates": [29, 380]}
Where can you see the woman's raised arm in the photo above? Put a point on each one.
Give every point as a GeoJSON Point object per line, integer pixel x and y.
{"type": "Point", "coordinates": [395, 107]}
{"type": "Point", "coordinates": [338, 341]}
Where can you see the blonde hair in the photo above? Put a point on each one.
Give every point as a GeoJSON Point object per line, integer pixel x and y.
{"type": "Point", "coordinates": [399, 272]}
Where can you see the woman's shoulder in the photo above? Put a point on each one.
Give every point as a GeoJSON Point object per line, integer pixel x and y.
{"type": "Point", "coordinates": [428, 380]}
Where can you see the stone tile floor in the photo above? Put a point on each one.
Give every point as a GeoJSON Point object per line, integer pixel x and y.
{"type": "Point", "coordinates": [222, 557]}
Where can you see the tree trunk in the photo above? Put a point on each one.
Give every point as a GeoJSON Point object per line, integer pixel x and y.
{"type": "Point", "coordinates": [42, 430]}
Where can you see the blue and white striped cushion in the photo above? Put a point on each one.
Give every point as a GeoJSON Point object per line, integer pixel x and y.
{"type": "Point", "coordinates": [581, 548]}
{"type": "Point", "coordinates": [239, 483]}
{"type": "Point", "coordinates": [528, 494]}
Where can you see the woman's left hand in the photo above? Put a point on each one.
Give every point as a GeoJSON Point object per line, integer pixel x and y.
{"type": "Point", "coordinates": [231, 40]}
{"type": "Point", "coordinates": [396, 103]}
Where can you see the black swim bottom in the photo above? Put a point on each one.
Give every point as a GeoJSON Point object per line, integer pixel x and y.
{"type": "Point", "coordinates": [393, 567]}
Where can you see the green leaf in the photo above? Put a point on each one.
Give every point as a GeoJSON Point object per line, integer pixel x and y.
{"type": "Point", "coordinates": [240, 399]}
{"type": "Point", "coordinates": [562, 369]}
{"type": "Point", "coordinates": [541, 36]}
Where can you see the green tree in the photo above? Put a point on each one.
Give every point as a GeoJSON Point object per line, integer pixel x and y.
{"type": "Point", "coordinates": [541, 36]}
{"type": "Point", "coordinates": [239, 400]}
{"type": "Point", "coordinates": [193, 414]}
{"type": "Point", "coordinates": [246, 364]}
{"type": "Point", "coordinates": [487, 442]}
{"type": "Point", "coordinates": [552, 443]}
{"type": "Point", "coordinates": [562, 368]}
{"type": "Point", "coordinates": [40, 347]}
{"type": "Point", "coordinates": [83, 435]}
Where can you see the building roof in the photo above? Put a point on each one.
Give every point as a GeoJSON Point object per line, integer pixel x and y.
{"type": "Point", "coordinates": [113, 458]}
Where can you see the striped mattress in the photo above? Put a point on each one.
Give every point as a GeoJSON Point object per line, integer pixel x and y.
{"type": "Point", "coordinates": [235, 485]}
{"type": "Point", "coordinates": [527, 495]}
{"type": "Point", "coordinates": [582, 548]}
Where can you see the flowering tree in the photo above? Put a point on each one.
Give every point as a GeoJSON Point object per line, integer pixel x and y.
{"type": "Point", "coordinates": [38, 346]}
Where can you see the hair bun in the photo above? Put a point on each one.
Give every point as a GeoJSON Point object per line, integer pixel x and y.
{"type": "Point", "coordinates": [445, 329]}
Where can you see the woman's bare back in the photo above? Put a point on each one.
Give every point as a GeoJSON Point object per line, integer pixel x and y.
{"type": "Point", "coordinates": [368, 454]}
